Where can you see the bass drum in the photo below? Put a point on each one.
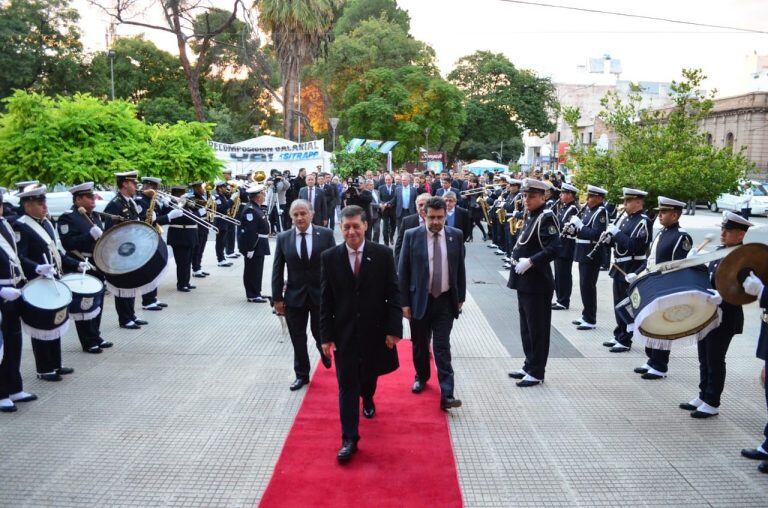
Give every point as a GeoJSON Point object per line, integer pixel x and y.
{"type": "Point", "coordinates": [671, 309]}
{"type": "Point", "coordinates": [44, 308]}
{"type": "Point", "coordinates": [133, 257]}
{"type": "Point", "coordinates": [87, 295]}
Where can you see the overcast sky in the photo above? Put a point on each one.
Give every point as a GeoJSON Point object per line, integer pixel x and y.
{"type": "Point", "coordinates": [553, 42]}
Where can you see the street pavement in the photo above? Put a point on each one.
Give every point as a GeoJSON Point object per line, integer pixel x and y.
{"type": "Point", "coordinates": [192, 410]}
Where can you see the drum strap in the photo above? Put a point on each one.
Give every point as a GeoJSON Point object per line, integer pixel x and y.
{"type": "Point", "coordinates": [43, 234]}
{"type": "Point", "coordinates": [16, 271]}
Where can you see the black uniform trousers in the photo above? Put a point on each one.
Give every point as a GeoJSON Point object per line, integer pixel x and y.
{"type": "Point", "coordinates": [477, 221]}
{"type": "Point", "coordinates": [89, 331]}
{"type": "Point", "coordinates": [47, 355]}
{"type": "Point", "coordinates": [765, 432]}
{"type": "Point", "coordinates": [183, 257]}
{"type": "Point", "coordinates": [712, 351]}
{"type": "Point", "coordinates": [222, 239]}
{"type": "Point", "coordinates": [373, 233]}
{"type": "Point", "coordinates": [436, 324]}
{"type": "Point", "coordinates": [124, 307]}
{"type": "Point", "coordinates": [535, 318]}
{"type": "Point", "coordinates": [296, 318]}
{"type": "Point", "coordinates": [657, 359]}
{"type": "Point", "coordinates": [253, 269]}
{"type": "Point", "coordinates": [149, 298]}
{"type": "Point", "coordinates": [588, 273]}
{"type": "Point", "coordinates": [620, 333]}
{"type": "Point", "coordinates": [358, 380]}
{"type": "Point", "coordinates": [10, 375]}
{"type": "Point", "coordinates": [563, 281]}
{"type": "Point", "coordinates": [230, 248]}
{"type": "Point", "coordinates": [199, 249]}
{"type": "Point", "coordinates": [389, 222]}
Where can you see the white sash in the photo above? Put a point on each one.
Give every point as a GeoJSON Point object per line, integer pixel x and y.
{"type": "Point", "coordinates": [12, 254]}
{"type": "Point", "coordinates": [40, 231]}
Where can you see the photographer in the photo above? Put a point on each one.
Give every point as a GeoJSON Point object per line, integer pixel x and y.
{"type": "Point", "coordinates": [276, 200]}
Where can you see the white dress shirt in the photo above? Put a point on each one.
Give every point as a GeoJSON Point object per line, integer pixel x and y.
{"type": "Point", "coordinates": [444, 258]}
{"type": "Point", "coordinates": [309, 240]}
{"type": "Point", "coordinates": [351, 255]}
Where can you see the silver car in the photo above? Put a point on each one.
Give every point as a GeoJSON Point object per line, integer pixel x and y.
{"type": "Point", "coordinates": [60, 200]}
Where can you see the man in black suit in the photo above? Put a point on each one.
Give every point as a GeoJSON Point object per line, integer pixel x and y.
{"type": "Point", "coordinates": [446, 185]}
{"type": "Point", "coordinates": [405, 199]}
{"type": "Point", "coordinates": [331, 191]}
{"type": "Point", "coordinates": [457, 217]}
{"type": "Point", "coordinates": [388, 211]}
{"type": "Point", "coordinates": [433, 287]}
{"type": "Point", "coordinates": [361, 320]}
{"type": "Point", "coordinates": [316, 197]}
{"type": "Point", "coordinates": [373, 211]}
{"type": "Point", "coordinates": [412, 221]}
{"type": "Point", "coordinates": [298, 300]}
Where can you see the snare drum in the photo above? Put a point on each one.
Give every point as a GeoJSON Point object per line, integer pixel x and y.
{"type": "Point", "coordinates": [87, 295]}
{"type": "Point", "coordinates": [133, 257]}
{"type": "Point", "coordinates": [671, 309]}
{"type": "Point", "coordinates": [44, 308]}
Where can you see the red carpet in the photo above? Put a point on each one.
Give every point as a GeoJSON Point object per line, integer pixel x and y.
{"type": "Point", "coordinates": [404, 458]}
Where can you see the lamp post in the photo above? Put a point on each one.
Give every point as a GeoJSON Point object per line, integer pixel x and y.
{"type": "Point", "coordinates": [111, 55]}
{"type": "Point", "coordinates": [334, 123]}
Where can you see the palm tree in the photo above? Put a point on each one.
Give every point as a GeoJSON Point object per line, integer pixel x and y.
{"type": "Point", "coordinates": [298, 29]}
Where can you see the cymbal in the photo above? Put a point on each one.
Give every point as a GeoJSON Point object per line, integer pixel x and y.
{"type": "Point", "coordinates": [735, 267]}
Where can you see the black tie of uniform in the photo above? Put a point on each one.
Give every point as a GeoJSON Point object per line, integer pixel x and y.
{"type": "Point", "coordinates": [304, 251]}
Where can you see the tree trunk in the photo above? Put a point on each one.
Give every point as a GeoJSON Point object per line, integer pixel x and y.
{"type": "Point", "coordinates": [455, 151]}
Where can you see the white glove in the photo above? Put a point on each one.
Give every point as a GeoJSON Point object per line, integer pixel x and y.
{"type": "Point", "coordinates": [523, 265]}
{"type": "Point", "coordinates": [45, 270]}
{"type": "Point", "coordinates": [96, 232]}
{"type": "Point", "coordinates": [753, 285]}
{"type": "Point", "coordinates": [630, 278]}
{"type": "Point", "coordinates": [175, 214]}
{"type": "Point", "coordinates": [693, 253]}
{"type": "Point", "coordinates": [181, 202]}
{"type": "Point", "coordinates": [84, 266]}
{"type": "Point", "coordinates": [201, 212]}
{"type": "Point", "coordinates": [613, 229]}
{"type": "Point", "coordinates": [250, 254]}
{"type": "Point", "coordinates": [9, 294]}
{"type": "Point", "coordinates": [577, 222]}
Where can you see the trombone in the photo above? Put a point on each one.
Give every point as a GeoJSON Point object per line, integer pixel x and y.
{"type": "Point", "coordinates": [219, 215]}
{"type": "Point", "coordinates": [179, 204]}
{"type": "Point", "coordinates": [479, 190]}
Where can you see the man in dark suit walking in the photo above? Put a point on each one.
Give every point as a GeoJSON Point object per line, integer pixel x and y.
{"type": "Point", "coordinates": [457, 217]}
{"type": "Point", "coordinates": [298, 300]}
{"type": "Point", "coordinates": [432, 290]}
{"type": "Point", "coordinates": [361, 320]}
{"type": "Point", "coordinates": [388, 211]}
{"type": "Point", "coordinates": [412, 221]}
{"type": "Point", "coordinates": [316, 197]}
{"type": "Point", "coordinates": [405, 199]}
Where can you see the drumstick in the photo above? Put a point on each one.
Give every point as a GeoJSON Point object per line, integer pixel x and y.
{"type": "Point", "coordinates": [84, 213]}
{"type": "Point", "coordinates": [707, 239]}
{"type": "Point", "coordinates": [85, 269]}
{"type": "Point", "coordinates": [45, 258]}
{"type": "Point", "coordinates": [620, 270]}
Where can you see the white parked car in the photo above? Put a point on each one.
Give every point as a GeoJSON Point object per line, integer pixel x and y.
{"type": "Point", "coordinates": [732, 202]}
{"type": "Point", "coordinates": [60, 199]}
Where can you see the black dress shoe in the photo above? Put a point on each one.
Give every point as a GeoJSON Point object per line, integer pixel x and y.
{"type": "Point", "coordinates": [29, 398]}
{"type": "Point", "coordinates": [63, 371]}
{"type": "Point", "coordinates": [130, 326]}
{"type": "Point", "coordinates": [754, 454]}
{"type": "Point", "coordinates": [619, 348]}
{"type": "Point", "coordinates": [687, 406]}
{"type": "Point", "coordinates": [184, 290]}
{"type": "Point", "coordinates": [763, 467]}
{"type": "Point", "coordinates": [94, 350]}
{"type": "Point", "coordinates": [190, 286]}
{"type": "Point", "coordinates": [702, 414]}
{"type": "Point", "coordinates": [206, 274]}
{"type": "Point", "coordinates": [8, 409]}
{"type": "Point", "coordinates": [525, 383]}
{"type": "Point", "coordinates": [609, 343]}
{"type": "Point", "coordinates": [369, 408]}
{"type": "Point", "coordinates": [49, 377]}
{"type": "Point", "coordinates": [418, 386]}
{"type": "Point", "coordinates": [449, 402]}
{"type": "Point", "coordinates": [326, 361]}
{"type": "Point", "coordinates": [198, 275]}
{"type": "Point", "coordinates": [298, 383]}
{"type": "Point", "coordinates": [516, 375]}
{"type": "Point", "coordinates": [140, 322]}
{"type": "Point", "coordinates": [162, 304]}
{"type": "Point", "coordinates": [648, 375]}
{"type": "Point", "coordinates": [641, 370]}
{"type": "Point", "coordinates": [105, 344]}
{"type": "Point", "coordinates": [348, 448]}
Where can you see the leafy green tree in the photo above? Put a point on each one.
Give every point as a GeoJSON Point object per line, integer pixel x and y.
{"type": "Point", "coordinates": [40, 46]}
{"type": "Point", "coordinates": [354, 164]}
{"type": "Point", "coordinates": [501, 100]}
{"type": "Point", "coordinates": [165, 110]}
{"type": "Point", "coordinates": [357, 11]}
{"type": "Point", "coordinates": [659, 151]}
{"type": "Point", "coordinates": [475, 150]}
{"type": "Point", "coordinates": [400, 105]}
{"type": "Point", "coordinates": [80, 138]}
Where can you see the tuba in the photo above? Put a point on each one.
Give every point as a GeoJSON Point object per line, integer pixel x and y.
{"type": "Point", "coordinates": [258, 176]}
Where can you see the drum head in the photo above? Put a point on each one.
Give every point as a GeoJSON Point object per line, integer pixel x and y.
{"type": "Point", "coordinates": [46, 294]}
{"type": "Point", "coordinates": [83, 284]}
{"type": "Point", "coordinates": [679, 317]}
{"type": "Point", "coordinates": [126, 248]}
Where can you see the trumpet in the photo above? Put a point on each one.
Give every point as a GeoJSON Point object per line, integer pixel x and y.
{"type": "Point", "coordinates": [209, 212]}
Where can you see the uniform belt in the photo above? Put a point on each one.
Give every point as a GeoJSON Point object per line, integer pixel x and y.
{"type": "Point", "coordinates": [263, 236]}
{"type": "Point", "coordinates": [183, 226]}
{"type": "Point", "coordinates": [581, 240]}
{"type": "Point", "coordinates": [10, 282]}
{"type": "Point", "coordinates": [630, 258]}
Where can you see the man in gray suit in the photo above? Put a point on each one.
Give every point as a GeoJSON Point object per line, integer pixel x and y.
{"type": "Point", "coordinates": [299, 249]}
{"type": "Point", "coordinates": [316, 197]}
{"type": "Point", "coordinates": [433, 287]}
{"type": "Point", "coordinates": [405, 199]}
